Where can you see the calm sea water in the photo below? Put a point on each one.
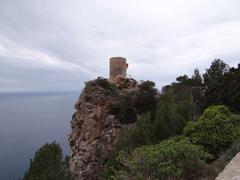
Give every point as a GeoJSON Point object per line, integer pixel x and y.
{"type": "Point", "coordinates": [29, 120]}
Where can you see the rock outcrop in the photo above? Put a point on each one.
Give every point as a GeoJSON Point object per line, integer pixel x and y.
{"type": "Point", "coordinates": [94, 129]}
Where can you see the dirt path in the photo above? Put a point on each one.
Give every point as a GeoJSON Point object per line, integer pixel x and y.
{"type": "Point", "coordinates": [232, 170]}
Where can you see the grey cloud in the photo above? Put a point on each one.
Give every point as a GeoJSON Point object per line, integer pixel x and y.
{"type": "Point", "coordinates": [57, 45]}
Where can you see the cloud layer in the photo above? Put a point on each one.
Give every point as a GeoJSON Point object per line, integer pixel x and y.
{"type": "Point", "coordinates": [57, 45]}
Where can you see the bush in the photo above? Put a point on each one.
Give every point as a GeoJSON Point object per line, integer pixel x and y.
{"type": "Point", "coordinates": [138, 134]}
{"type": "Point", "coordinates": [146, 97]}
{"type": "Point", "coordinates": [113, 89]}
{"type": "Point", "coordinates": [171, 115]}
{"type": "Point", "coordinates": [124, 110]}
{"type": "Point", "coordinates": [215, 129]}
{"type": "Point", "coordinates": [171, 159]}
{"type": "Point", "coordinates": [236, 120]}
{"type": "Point", "coordinates": [103, 82]}
{"type": "Point", "coordinates": [133, 103]}
{"type": "Point", "coordinates": [48, 164]}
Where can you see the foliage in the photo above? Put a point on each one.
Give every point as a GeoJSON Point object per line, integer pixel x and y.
{"type": "Point", "coordinates": [169, 118]}
{"type": "Point", "coordinates": [130, 138]}
{"type": "Point", "coordinates": [102, 82]}
{"type": "Point", "coordinates": [131, 104]}
{"type": "Point", "coordinates": [214, 168]}
{"type": "Point", "coordinates": [223, 85]}
{"type": "Point", "coordinates": [189, 92]}
{"type": "Point", "coordinates": [48, 164]}
{"type": "Point", "coordinates": [139, 134]}
{"type": "Point", "coordinates": [236, 120]}
{"type": "Point", "coordinates": [217, 69]}
{"type": "Point", "coordinates": [214, 130]}
{"type": "Point", "coordinates": [182, 103]}
{"type": "Point", "coordinates": [142, 151]}
{"type": "Point", "coordinates": [146, 97]}
{"type": "Point", "coordinates": [113, 89]}
{"type": "Point", "coordinates": [172, 113]}
{"type": "Point", "coordinates": [124, 109]}
{"type": "Point", "coordinates": [169, 112]}
{"type": "Point", "coordinates": [197, 78]}
{"type": "Point", "coordinates": [170, 159]}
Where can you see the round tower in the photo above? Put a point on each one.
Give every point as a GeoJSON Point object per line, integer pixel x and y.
{"type": "Point", "coordinates": [118, 68]}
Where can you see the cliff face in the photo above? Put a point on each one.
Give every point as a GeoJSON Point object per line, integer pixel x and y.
{"type": "Point", "coordinates": [94, 129]}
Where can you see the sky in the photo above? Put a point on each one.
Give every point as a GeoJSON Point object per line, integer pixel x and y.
{"type": "Point", "coordinates": [57, 45]}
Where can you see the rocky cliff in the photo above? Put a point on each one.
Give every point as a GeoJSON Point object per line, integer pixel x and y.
{"type": "Point", "coordinates": [94, 129]}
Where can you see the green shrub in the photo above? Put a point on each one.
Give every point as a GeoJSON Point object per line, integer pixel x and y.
{"type": "Point", "coordinates": [146, 97]}
{"type": "Point", "coordinates": [236, 120]}
{"type": "Point", "coordinates": [138, 134]}
{"type": "Point", "coordinates": [124, 109]}
{"type": "Point", "coordinates": [48, 164]}
{"type": "Point", "coordinates": [171, 115]}
{"type": "Point", "coordinates": [215, 129]}
{"type": "Point", "coordinates": [103, 82]}
{"type": "Point", "coordinates": [171, 159]}
{"type": "Point", "coordinates": [113, 89]}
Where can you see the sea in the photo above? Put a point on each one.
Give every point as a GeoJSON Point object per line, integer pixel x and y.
{"type": "Point", "coordinates": [28, 120]}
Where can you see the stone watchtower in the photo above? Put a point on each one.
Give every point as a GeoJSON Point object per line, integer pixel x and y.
{"type": "Point", "coordinates": [118, 68]}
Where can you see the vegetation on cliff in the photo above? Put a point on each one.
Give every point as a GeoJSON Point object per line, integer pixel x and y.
{"type": "Point", "coordinates": [189, 130]}
{"type": "Point", "coordinates": [223, 85]}
{"type": "Point", "coordinates": [135, 102]}
{"type": "Point", "coordinates": [192, 122]}
{"type": "Point", "coordinates": [170, 159]}
{"type": "Point", "coordinates": [215, 130]}
{"type": "Point", "coordinates": [48, 164]}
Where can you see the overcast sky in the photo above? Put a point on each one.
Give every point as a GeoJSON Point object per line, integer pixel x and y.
{"type": "Point", "coordinates": [59, 44]}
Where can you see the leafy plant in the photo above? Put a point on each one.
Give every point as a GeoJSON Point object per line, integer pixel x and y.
{"type": "Point", "coordinates": [170, 159]}
{"type": "Point", "coordinates": [48, 164]}
{"type": "Point", "coordinates": [146, 97]}
{"type": "Point", "coordinates": [214, 130]}
{"type": "Point", "coordinates": [124, 109]}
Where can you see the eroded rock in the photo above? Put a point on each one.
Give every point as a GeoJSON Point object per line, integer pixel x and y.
{"type": "Point", "coordinates": [94, 130]}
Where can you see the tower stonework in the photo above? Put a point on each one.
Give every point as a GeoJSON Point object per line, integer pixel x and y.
{"type": "Point", "coordinates": [118, 68]}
